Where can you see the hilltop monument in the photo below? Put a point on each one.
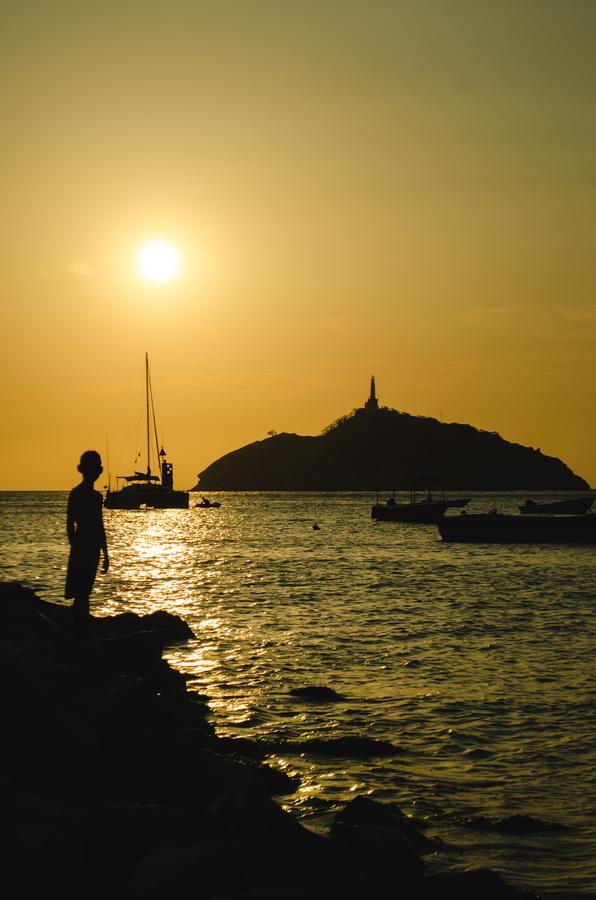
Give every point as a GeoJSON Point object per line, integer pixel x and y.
{"type": "Point", "coordinates": [372, 404]}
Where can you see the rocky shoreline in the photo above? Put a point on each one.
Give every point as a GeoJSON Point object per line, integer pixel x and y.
{"type": "Point", "coordinates": [116, 785]}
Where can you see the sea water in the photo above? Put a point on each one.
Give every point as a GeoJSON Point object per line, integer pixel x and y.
{"type": "Point", "coordinates": [475, 661]}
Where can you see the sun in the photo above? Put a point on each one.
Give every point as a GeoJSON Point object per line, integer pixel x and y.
{"type": "Point", "coordinates": [158, 260]}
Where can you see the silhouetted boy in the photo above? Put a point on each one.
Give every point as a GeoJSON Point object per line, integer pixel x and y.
{"type": "Point", "coordinates": [86, 535]}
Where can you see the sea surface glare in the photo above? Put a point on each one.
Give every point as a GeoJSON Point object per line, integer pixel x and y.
{"type": "Point", "coordinates": [475, 661]}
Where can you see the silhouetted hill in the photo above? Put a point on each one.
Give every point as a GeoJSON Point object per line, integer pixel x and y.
{"type": "Point", "coordinates": [388, 449]}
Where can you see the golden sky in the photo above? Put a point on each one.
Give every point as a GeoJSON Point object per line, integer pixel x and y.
{"type": "Point", "coordinates": [354, 186]}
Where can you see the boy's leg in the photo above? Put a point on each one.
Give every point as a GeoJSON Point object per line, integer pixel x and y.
{"type": "Point", "coordinates": [80, 610]}
{"type": "Point", "coordinates": [81, 605]}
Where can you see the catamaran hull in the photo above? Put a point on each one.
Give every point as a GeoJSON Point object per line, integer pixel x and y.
{"type": "Point", "coordinates": [146, 498]}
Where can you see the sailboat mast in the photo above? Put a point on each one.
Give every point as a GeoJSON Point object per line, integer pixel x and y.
{"type": "Point", "coordinates": [147, 407]}
{"type": "Point", "coordinates": [157, 452]}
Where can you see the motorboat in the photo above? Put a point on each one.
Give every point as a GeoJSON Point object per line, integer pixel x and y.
{"type": "Point", "coordinates": [427, 509]}
{"type": "Point", "coordinates": [496, 528]}
{"type": "Point", "coordinates": [419, 511]}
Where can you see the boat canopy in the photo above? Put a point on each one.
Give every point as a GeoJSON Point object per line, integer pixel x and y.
{"type": "Point", "coordinates": [426, 483]}
{"type": "Point", "coordinates": [139, 476]}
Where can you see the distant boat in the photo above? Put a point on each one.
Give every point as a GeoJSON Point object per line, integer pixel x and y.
{"type": "Point", "coordinates": [427, 510]}
{"type": "Point", "coordinates": [458, 502]}
{"type": "Point", "coordinates": [419, 511]}
{"type": "Point", "coordinates": [144, 490]}
{"type": "Point", "coordinates": [575, 506]}
{"type": "Point", "coordinates": [206, 503]}
{"type": "Point", "coordinates": [494, 528]}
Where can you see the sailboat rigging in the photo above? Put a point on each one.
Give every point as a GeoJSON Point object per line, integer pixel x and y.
{"type": "Point", "coordinates": [145, 489]}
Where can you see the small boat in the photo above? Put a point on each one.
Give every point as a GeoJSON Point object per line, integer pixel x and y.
{"type": "Point", "coordinates": [207, 504]}
{"type": "Point", "coordinates": [458, 502]}
{"type": "Point", "coordinates": [144, 490]}
{"type": "Point", "coordinates": [418, 511]}
{"type": "Point", "coordinates": [495, 528]}
{"type": "Point", "coordinates": [427, 510]}
{"type": "Point", "coordinates": [575, 507]}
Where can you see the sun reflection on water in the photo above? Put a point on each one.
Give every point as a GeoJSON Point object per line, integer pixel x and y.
{"type": "Point", "coordinates": [476, 662]}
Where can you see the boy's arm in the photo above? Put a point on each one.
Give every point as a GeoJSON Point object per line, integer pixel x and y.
{"type": "Point", "coordinates": [70, 520]}
{"type": "Point", "coordinates": [106, 559]}
{"type": "Point", "coordinates": [104, 548]}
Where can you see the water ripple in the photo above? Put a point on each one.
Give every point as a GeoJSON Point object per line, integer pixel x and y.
{"type": "Point", "coordinates": [477, 662]}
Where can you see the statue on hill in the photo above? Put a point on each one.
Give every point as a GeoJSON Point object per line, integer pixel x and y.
{"type": "Point", "coordinates": [372, 404]}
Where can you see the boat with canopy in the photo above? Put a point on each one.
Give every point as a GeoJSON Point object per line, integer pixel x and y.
{"type": "Point", "coordinates": [427, 509]}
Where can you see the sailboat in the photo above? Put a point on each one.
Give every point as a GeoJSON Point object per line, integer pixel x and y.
{"type": "Point", "coordinates": [144, 490]}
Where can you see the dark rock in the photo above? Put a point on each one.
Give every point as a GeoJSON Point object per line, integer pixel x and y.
{"type": "Point", "coordinates": [317, 693]}
{"type": "Point", "coordinates": [152, 767]}
{"type": "Point", "coordinates": [380, 840]}
{"type": "Point", "coordinates": [472, 885]}
{"type": "Point", "coordinates": [246, 813]}
{"type": "Point", "coordinates": [205, 870]}
{"type": "Point", "coordinates": [120, 650]}
{"type": "Point", "coordinates": [43, 847]}
{"type": "Point", "coordinates": [295, 857]}
{"type": "Point", "coordinates": [171, 628]}
{"type": "Point", "coordinates": [353, 746]}
{"type": "Point", "coordinates": [243, 747]}
{"type": "Point", "coordinates": [120, 835]}
{"type": "Point", "coordinates": [245, 753]}
{"type": "Point", "coordinates": [271, 893]}
{"type": "Point", "coordinates": [363, 812]}
{"type": "Point", "coordinates": [24, 614]}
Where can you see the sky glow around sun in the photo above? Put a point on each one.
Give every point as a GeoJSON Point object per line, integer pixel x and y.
{"type": "Point", "coordinates": [423, 209]}
{"type": "Point", "coordinates": [158, 261]}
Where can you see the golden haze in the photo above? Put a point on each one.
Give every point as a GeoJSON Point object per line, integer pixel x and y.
{"type": "Point", "coordinates": [391, 188]}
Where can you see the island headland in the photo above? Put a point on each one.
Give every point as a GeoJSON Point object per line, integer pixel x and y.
{"type": "Point", "coordinates": [116, 786]}
{"type": "Point", "coordinates": [378, 447]}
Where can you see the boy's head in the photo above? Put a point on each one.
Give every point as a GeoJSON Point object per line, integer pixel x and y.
{"type": "Point", "coordinates": [90, 465]}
